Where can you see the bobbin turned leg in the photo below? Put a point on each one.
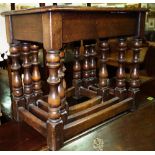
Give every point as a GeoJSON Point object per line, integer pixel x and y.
{"type": "Point", "coordinates": [120, 89]}
{"type": "Point", "coordinates": [103, 73]}
{"type": "Point", "coordinates": [62, 88]}
{"type": "Point", "coordinates": [28, 87]}
{"type": "Point", "coordinates": [54, 122]}
{"type": "Point", "coordinates": [86, 67]}
{"type": "Point", "coordinates": [17, 89]}
{"type": "Point", "coordinates": [93, 65]}
{"type": "Point", "coordinates": [77, 82]}
{"type": "Point", "coordinates": [134, 74]}
{"type": "Point", "coordinates": [36, 77]}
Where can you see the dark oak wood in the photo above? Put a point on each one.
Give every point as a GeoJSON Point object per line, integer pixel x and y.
{"type": "Point", "coordinates": [91, 110]}
{"type": "Point", "coordinates": [27, 79]}
{"type": "Point", "coordinates": [77, 72]}
{"type": "Point", "coordinates": [73, 8]}
{"type": "Point", "coordinates": [36, 77]}
{"type": "Point", "coordinates": [16, 81]}
{"type": "Point", "coordinates": [42, 104]}
{"type": "Point", "coordinates": [103, 73]}
{"type": "Point", "coordinates": [76, 126]}
{"type": "Point", "coordinates": [134, 73]}
{"type": "Point", "coordinates": [135, 82]}
{"type": "Point", "coordinates": [43, 115]}
{"type": "Point", "coordinates": [62, 88]}
{"type": "Point", "coordinates": [33, 121]}
{"type": "Point", "coordinates": [54, 123]}
{"type": "Point", "coordinates": [40, 113]}
{"type": "Point", "coordinates": [87, 92]}
{"type": "Point", "coordinates": [120, 89]}
{"type": "Point", "coordinates": [75, 108]}
{"type": "Point", "coordinates": [19, 136]}
{"type": "Point", "coordinates": [93, 64]}
{"type": "Point", "coordinates": [88, 24]}
{"type": "Point", "coordinates": [86, 67]}
{"type": "Point", "coordinates": [95, 118]}
{"type": "Point", "coordinates": [85, 105]}
{"type": "Point", "coordinates": [58, 26]}
{"type": "Point", "coordinates": [70, 91]}
{"type": "Point", "coordinates": [115, 136]}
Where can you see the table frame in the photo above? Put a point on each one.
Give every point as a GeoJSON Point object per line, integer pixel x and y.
{"type": "Point", "coordinates": [53, 27]}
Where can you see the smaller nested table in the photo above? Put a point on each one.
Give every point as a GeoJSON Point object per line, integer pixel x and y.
{"type": "Point", "coordinates": [54, 27]}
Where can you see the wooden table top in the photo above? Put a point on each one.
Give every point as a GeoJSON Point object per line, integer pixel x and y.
{"type": "Point", "coordinates": [71, 8]}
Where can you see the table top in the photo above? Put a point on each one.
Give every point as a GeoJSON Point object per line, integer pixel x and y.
{"type": "Point", "coordinates": [71, 8]}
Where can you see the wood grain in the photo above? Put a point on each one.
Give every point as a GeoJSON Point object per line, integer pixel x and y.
{"type": "Point", "coordinates": [84, 105]}
{"type": "Point", "coordinates": [85, 123]}
{"type": "Point", "coordinates": [27, 27]}
{"type": "Point", "coordinates": [92, 110]}
{"type": "Point", "coordinates": [33, 121]}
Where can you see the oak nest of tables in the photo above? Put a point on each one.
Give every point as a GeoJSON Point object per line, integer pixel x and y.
{"type": "Point", "coordinates": [52, 28]}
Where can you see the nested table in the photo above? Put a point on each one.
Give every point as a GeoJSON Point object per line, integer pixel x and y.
{"type": "Point", "coordinates": [54, 27]}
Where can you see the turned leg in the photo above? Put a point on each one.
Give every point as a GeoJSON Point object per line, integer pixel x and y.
{"type": "Point", "coordinates": [36, 77]}
{"type": "Point", "coordinates": [62, 88]}
{"type": "Point", "coordinates": [93, 64]}
{"type": "Point", "coordinates": [77, 82]}
{"type": "Point", "coordinates": [86, 67]}
{"type": "Point", "coordinates": [134, 74]}
{"type": "Point", "coordinates": [28, 88]}
{"type": "Point", "coordinates": [120, 89]}
{"type": "Point", "coordinates": [54, 122]}
{"type": "Point", "coordinates": [103, 73]}
{"type": "Point", "coordinates": [17, 89]}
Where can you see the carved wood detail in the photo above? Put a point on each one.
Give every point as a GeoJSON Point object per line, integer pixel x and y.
{"type": "Point", "coordinates": [36, 77]}
{"type": "Point", "coordinates": [54, 122]}
{"type": "Point", "coordinates": [120, 89]}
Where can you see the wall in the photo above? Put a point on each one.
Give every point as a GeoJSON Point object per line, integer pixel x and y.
{"type": "Point", "coordinates": [3, 42]}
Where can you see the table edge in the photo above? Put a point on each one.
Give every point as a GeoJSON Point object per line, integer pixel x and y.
{"type": "Point", "coordinates": [71, 8]}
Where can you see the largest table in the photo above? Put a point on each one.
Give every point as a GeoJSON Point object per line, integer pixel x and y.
{"type": "Point", "coordinates": [53, 27]}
